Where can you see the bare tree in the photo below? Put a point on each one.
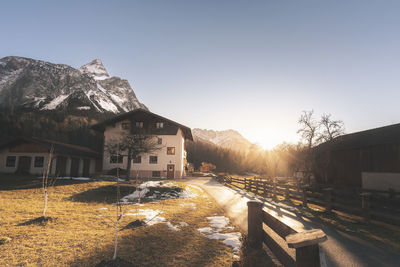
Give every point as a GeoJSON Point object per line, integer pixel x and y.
{"type": "Point", "coordinates": [308, 128]}
{"type": "Point", "coordinates": [132, 146]}
{"type": "Point", "coordinates": [329, 128]}
{"type": "Point", "coordinates": [46, 182]}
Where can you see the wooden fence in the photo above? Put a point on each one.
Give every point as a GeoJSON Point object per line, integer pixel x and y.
{"type": "Point", "coordinates": [305, 243]}
{"type": "Point", "coordinates": [366, 203]}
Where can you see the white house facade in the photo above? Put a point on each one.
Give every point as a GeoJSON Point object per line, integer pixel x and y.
{"type": "Point", "coordinates": [31, 155]}
{"type": "Point", "coordinates": [168, 161]}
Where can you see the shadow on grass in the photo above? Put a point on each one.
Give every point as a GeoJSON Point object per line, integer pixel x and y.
{"type": "Point", "coordinates": [38, 221]}
{"type": "Point", "coordinates": [102, 194]}
{"type": "Point", "coordinates": [19, 182]}
{"type": "Point", "coordinates": [107, 194]}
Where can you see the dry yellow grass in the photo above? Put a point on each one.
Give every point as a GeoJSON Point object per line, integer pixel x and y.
{"type": "Point", "coordinates": [79, 237]}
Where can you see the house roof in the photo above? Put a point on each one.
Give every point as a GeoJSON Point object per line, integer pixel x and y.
{"type": "Point", "coordinates": [131, 114]}
{"type": "Point", "coordinates": [378, 136]}
{"type": "Point", "coordinates": [59, 147]}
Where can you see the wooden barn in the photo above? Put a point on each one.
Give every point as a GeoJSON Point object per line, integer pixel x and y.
{"type": "Point", "coordinates": [30, 156]}
{"type": "Point", "coordinates": [347, 159]}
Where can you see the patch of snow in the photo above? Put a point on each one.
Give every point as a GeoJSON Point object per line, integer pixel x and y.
{"type": "Point", "coordinates": [150, 184]}
{"type": "Point", "coordinates": [108, 105]}
{"type": "Point", "coordinates": [150, 215]}
{"type": "Point", "coordinates": [219, 221]}
{"type": "Point", "coordinates": [184, 224]}
{"type": "Point", "coordinates": [104, 208]}
{"type": "Point", "coordinates": [55, 102]}
{"type": "Point", "coordinates": [135, 195]}
{"type": "Point", "coordinates": [83, 108]}
{"type": "Point", "coordinates": [101, 88]}
{"type": "Point", "coordinates": [71, 178]}
{"type": "Point", "coordinates": [172, 227]}
{"type": "Point", "coordinates": [187, 193]}
{"type": "Point", "coordinates": [206, 230]}
{"type": "Point", "coordinates": [229, 239]}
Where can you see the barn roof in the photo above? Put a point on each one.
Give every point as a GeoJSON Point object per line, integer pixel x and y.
{"type": "Point", "coordinates": [378, 136]}
{"type": "Point", "coordinates": [59, 147]}
{"type": "Point", "coordinates": [136, 112]}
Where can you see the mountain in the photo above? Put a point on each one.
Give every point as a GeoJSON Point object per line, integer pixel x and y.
{"type": "Point", "coordinates": [38, 85]}
{"type": "Point", "coordinates": [230, 139]}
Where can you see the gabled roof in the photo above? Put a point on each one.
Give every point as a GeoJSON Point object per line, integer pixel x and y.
{"type": "Point", "coordinates": [378, 136]}
{"type": "Point", "coordinates": [131, 114]}
{"type": "Point", "coordinates": [59, 147]}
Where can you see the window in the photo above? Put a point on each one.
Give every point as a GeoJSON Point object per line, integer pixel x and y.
{"type": "Point", "coordinates": [139, 124]}
{"type": "Point", "coordinates": [156, 174]}
{"type": "Point", "coordinates": [159, 141]}
{"type": "Point", "coordinates": [126, 125]}
{"type": "Point", "coordinates": [39, 162]}
{"type": "Point", "coordinates": [116, 159]}
{"type": "Point", "coordinates": [10, 162]}
{"type": "Point", "coordinates": [159, 125]}
{"type": "Point", "coordinates": [138, 159]}
{"type": "Point", "coordinates": [153, 160]}
{"type": "Point", "coordinates": [170, 150]}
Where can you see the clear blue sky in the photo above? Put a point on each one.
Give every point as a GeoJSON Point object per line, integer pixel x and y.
{"type": "Point", "coordinates": [252, 66]}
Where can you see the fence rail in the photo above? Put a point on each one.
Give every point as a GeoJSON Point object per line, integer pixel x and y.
{"type": "Point", "coordinates": [305, 243]}
{"type": "Point", "coordinates": [369, 204]}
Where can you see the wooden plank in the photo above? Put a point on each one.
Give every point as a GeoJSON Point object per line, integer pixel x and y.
{"type": "Point", "coordinates": [277, 226]}
{"type": "Point", "coordinates": [278, 251]}
{"type": "Point", "coordinates": [306, 238]}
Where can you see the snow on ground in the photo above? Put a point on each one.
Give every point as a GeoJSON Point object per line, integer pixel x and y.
{"type": "Point", "coordinates": [172, 227]}
{"type": "Point", "coordinates": [83, 108]}
{"type": "Point", "coordinates": [184, 224]}
{"type": "Point", "coordinates": [218, 221]}
{"type": "Point", "coordinates": [229, 239]}
{"type": "Point", "coordinates": [71, 178]}
{"type": "Point", "coordinates": [55, 102]}
{"type": "Point", "coordinates": [104, 208]}
{"type": "Point", "coordinates": [135, 195]}
{"type": "Point", "coordinates": [151, 216]}
{"type": "Point", "coordinates": [219, 224]}
{"type": "Point", "coordinates": [187, 193]}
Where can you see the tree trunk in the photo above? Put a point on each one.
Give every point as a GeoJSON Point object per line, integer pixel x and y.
{"type": "Point", "coordinates": [128, 165]}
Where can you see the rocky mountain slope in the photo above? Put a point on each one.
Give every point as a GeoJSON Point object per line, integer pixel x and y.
{"type": "Point", "coordinates": [230, 139]}
{"type": "Point", "coordinates": [38, 85]}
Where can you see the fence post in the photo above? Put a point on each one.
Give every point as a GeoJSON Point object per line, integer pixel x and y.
{"type": "Point", "coordinates": [304, 196]}
{"type": "Point", "coordinates": [254, 222]}
{"type": "Point", "coordinates": [328, 199]}
{"type": "Point", "coordinates": [298, 185]}
{"type": "Point", "coordinates": [274, 181]}
{"type": "Point", "coordinates": [257, 181]}
{"type": "Point", "coordinates": [245, 184]}
{"type": "Point", "coordinates": [365, 206]}
{"type": "Point", "coordinates": [306, 245]}
{"type": "Point", "coordinates": [287, 192]}
{"type": "Point", "coordinates": [265, 188]}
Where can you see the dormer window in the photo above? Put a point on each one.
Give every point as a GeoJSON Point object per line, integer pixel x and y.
{"type": "Point", "coordinates": [139, 124]}
{"type": "Point", "coordinates": [159, 125]}
{"type": "Point", "coordinates": [126, 125]}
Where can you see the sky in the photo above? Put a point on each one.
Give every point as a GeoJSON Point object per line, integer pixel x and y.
{"type": "Point", "coordinates": [252, 66]}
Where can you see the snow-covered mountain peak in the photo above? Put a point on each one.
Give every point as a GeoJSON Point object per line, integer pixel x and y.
{"type": "Point", "coordinates": [95, 69]}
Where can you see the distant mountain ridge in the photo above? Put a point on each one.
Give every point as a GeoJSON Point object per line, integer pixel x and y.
{"type": "Point", "coordinates": [229, 139]}
{"type": "Point", "coordinates": [39, 85]}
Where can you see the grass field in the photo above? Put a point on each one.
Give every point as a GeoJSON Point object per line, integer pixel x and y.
{"type": "Point", "coordinates": [80, 237]}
